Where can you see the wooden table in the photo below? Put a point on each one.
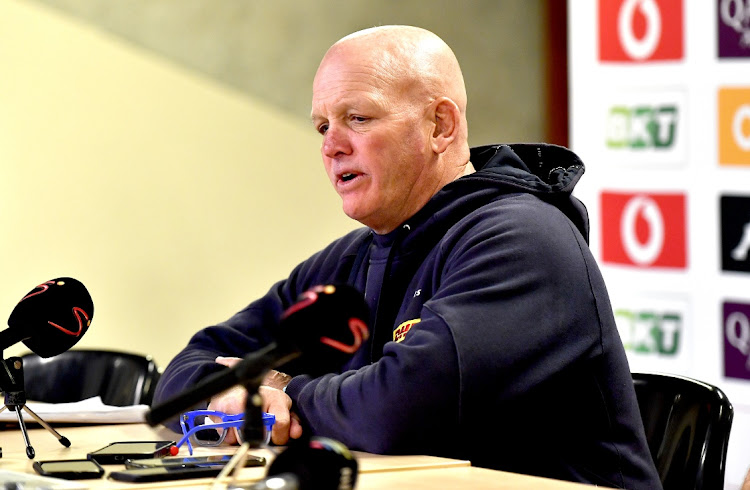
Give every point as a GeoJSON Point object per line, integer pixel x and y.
{"type": "Point", "coordinates": [376, 471]}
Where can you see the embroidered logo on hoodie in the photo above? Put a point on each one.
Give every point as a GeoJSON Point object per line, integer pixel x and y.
{"type": "Point", "coordinates": [400, 332]}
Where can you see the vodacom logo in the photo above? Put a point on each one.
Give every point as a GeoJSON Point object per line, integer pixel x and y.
{"type": "Point", "coordinates": [644, 229]}
{"type": "Point", "coordinates": [640, 30]}
{"type": "Point", "coordinates": [643, 47]}
{"type": "Point", "coordinates": [642, 253]}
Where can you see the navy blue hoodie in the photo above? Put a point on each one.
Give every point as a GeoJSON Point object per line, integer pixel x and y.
{"type": "Point", "coordinates": [493, 339]}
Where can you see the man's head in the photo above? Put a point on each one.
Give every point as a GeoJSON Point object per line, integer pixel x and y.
{"type": "Point", "coordinates": [390, 103]}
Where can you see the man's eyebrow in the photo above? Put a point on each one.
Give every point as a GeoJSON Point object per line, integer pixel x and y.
{"type": "Point", "coordinates": [369, 104]}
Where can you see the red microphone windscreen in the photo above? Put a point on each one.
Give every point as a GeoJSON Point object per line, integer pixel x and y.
{"type": "Point", "coordinates": [328, 323]}
{"type": "Point", "coordinates": [53, 316]}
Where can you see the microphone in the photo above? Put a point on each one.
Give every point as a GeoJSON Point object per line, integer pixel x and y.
{"type": "Point", "coordinates": [318, 464]}
{"type": "Point", "coordinates": [51, 318]}
{"type": "Point", "coordinates": [327, 324]}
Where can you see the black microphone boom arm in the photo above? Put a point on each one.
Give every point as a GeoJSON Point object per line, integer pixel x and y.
{"type": "Point", "coordinates": [248, 372]}
{"type": "Point", "coordinates": [10, 337]}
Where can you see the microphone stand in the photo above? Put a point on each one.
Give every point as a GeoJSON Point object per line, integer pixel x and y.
{"type": "Point", "coordinates": [252, 433]}
{"type": "Point", "coordinates": [11, 384]}
{"type": "Point", "coordinates": [252, 429]}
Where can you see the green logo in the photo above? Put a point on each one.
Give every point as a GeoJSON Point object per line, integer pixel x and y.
{"type": "Point", "coordinates": [641, 127]}
{"type": "Point", "coordinates": [648, 331]}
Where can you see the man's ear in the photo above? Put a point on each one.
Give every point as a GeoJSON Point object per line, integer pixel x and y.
{"type": "Point", "coordinates": [447, 123]}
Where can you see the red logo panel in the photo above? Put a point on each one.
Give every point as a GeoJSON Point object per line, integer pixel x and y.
{"type": "Point", "coordinates": [640, 30]}
{"type": "Point", "coordinates": [644, 230]}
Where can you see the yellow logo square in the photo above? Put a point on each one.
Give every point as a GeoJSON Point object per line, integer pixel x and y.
{"type": "Point", "coordinates": [734, 126]}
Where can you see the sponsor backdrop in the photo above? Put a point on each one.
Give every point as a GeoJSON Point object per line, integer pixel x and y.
{"type": "Point", "coordinates": [660, 114]}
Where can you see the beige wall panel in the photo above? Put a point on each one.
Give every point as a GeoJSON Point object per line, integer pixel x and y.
{"type": "Point", "coordinates": [174, 199]}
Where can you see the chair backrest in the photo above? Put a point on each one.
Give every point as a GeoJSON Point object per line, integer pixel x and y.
{"type": "Point", "coordinates": [687, 426]}
{"type": "Point", "coordinates": [119, 378]}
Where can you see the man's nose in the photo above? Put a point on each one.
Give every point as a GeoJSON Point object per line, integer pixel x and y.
{"type": "Point", "coordinates": [335, 142]}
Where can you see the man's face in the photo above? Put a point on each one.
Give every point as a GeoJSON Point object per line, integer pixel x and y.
{"type": "Point", "coordinates": [376, 145]}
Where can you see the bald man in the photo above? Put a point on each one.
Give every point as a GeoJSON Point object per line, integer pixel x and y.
{"type": "Point", "coordinates": [493, 339]}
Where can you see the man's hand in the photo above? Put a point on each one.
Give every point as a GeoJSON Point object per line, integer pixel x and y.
{"type": "Point", "coordinates": [275, 402]}
{"type": "Point", "coordinates": [230, 401]}
{"type": "Point", "coordinates": [287, 423]}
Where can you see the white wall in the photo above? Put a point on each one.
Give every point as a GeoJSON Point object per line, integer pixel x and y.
{"type": "Point", "coordinates": [175, 200]}
{"type": "Point", "coordinates": [685, 294]}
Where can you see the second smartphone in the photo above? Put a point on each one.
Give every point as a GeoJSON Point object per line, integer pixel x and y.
{"type": "Point", "coordinates": [192, 461]}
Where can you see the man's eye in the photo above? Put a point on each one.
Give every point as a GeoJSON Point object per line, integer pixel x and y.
{"type": "Point", "coordinates": [359, 118]}
{"type": "Point", "coordinates": [322, 128]}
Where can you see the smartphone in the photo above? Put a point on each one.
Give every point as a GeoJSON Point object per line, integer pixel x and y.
{"type": "Point", "coordinates": [119, 452]}
{"type": "Point", "coordinates": [165, 473]}
{"type": "Point", "coordinates": [192, 461]}
{"type": "Point", "coordinates": [70, 469]}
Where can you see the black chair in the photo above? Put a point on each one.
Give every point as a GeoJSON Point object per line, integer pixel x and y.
{"type": "Point", "coordinates": [687, 426]}
{"type": "Point", "coordinates": [119, 378]}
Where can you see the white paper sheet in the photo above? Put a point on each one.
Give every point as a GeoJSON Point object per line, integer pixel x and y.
{"type": "Point", "coordinates": [89, 411]}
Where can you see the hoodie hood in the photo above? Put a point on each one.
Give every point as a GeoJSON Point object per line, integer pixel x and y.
{"type": "Point", "coordinates": [547, 171]}
{"type": "Point", "coordinates": [536, 168]}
